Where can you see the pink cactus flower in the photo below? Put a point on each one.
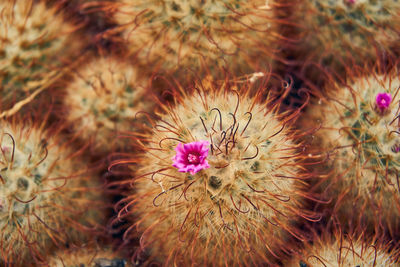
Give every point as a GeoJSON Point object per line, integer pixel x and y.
{"type": "Point", "coordinates": [191, 157]}
{"type": "Point", "coordinates": [383, 101]}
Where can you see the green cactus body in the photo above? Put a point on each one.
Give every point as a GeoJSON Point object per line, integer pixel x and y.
{"type": "Point", "coordinates": [343, 30]}
{"type": "Point", "coordinates": [363, 141]}
{"type": "Point", "coordinates": [192, 33]}
{"type": "Point", "coordinates": [44, 194]}
{"type": "Point", "coordinates": [240, 210]}
{"type": "Point", "coordinates": [104, 98]}
{"type": "Point", "coordinates": [35, 42]}
{"type": "Point", "coordinates": [345, 252]}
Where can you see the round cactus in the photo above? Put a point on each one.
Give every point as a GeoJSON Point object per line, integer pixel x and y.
{"type": "Point", "coordinates": [192, 33]}
{"type": "Point", "coordinates": [344, 31]}
{"type": "Point", "coordinates": [360, 133]}
{"type": "Point", "coordinates": [220, 182]}
{"type": "Point", "coordinates": [87, 256]}
{"type": "Point", "coordinates": [104, 98]}
{"type": "Point", "coordinates": [46, 193]}
{"type": "Point", "coordinates": [35, 42]}
{"type": "Point", "coordinates": [341, 251]}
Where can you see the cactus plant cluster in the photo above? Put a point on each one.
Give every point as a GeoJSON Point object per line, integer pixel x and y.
{"type": "Point", "coordinates": [240, 161]}
{"type": "Point", "coordinates": [36, 41]}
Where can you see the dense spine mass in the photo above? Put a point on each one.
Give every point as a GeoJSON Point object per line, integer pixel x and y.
{"type": "Point", "coordinates": [234, 207]}
{"type": "Point", "coordinates": [190, 33]}
{"type": "Point", "coordinates": [35, 43]}
{"type": "Point", "coordinates": [45, 194]}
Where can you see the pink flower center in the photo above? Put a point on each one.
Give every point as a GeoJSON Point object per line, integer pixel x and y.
{"type": "Point", "coordinates": [396, 148]}
{"type": "Point", "coordinates": [383, 101]}
{"type": "Point", "coordinates": [192, 158]}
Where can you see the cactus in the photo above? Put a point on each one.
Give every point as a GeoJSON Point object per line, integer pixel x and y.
{"type": "Point", "coordinates": [45, 193]}
{"type": "Point", "coordinates": [344, 250]}
{"type": "Point", "coordinates": [192, 33]}
{"type": "Point", "coordinates": [87, 256]}
{"type": "Point", "coordinates": [220, 181]}
{"type": "Point", "coordinates": [35, 43]}
{"type": "Point", "coordinates": [348, 31]}
{"type": "Point", "coordinates": [360, 133]}
{"type": "Point", "coordinates": [104, 98]}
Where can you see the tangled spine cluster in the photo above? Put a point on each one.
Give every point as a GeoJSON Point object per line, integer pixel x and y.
{"type": "Point", "coordinates": [45, 194]}
{"type": "Point", "coordinates": [218, 183]}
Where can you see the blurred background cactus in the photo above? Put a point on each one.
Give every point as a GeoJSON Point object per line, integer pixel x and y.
{"type": "Point", "coordinates": [335, 34]}
{"type": "Point", "coordinates": [36, 42]}
{"type": "Point", "coordinates": [103, 100]}
{"type": "Point", "coordinates": [234, 34]}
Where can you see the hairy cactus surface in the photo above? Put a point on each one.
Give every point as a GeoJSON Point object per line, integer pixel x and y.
{"type": "Point", "coordinates": [191, 33]}
{"type": "Point", "coordinates": [103, 99]}
{"type": "Point", "coordinates": [346, 31]}
{"type": "Point", "coordinates": [360, 132]}
{"type": "Point", "coordinates": [45, 194]}
{"type": "Point", "coordinates": [220, 181]}
{"type": "Point", "coordinates": [87, 256]}
{"type": "Point", "coordinates": [337, 251]}
{"type": "Point", "coordinates": [35, 42]}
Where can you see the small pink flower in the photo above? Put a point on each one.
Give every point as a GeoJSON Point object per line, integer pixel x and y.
{"type": "Point", "coordinates": [191, 157]}
{"type": "Point", "coordinates": [351, 1]}
{"type": "Point", "coordinates": [383, 101]}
